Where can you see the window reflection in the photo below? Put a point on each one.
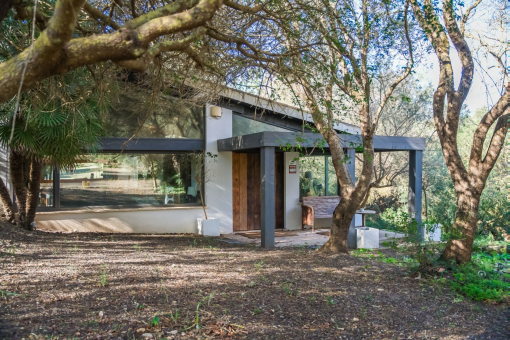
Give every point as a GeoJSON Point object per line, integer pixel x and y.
{"type": "Point", "coordinates": [313, 180]}
{"type": "Point", "coordinates": [137, 110]}
{"type": "Point", "coordinates": [130, 179]}
{"type": "Point", "coordinates": [46, 187]}
{"type": "Point", "coordinates": [244, 126]}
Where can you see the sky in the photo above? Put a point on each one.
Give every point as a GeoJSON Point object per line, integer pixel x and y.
{"type": "Point", "coordinates": [479, 95]}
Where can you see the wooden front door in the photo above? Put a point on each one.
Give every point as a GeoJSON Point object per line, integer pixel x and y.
{"type": "Point", "coordinates": [246, 191]}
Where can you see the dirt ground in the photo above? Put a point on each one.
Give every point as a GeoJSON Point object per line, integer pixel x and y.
{"type": "Point", "coordinates": [111, 286]}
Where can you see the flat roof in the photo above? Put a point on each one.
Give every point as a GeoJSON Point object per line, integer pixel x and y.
{"type": "Point", "coordinates": [280, 108]}
{"type": "Point", "coordinates": [310, 140]}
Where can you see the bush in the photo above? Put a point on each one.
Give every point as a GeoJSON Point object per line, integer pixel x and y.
{"type": "Point", "coordinates": [482, 279]}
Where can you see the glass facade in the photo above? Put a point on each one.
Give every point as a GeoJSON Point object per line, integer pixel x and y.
{"type": "Point", "coordinates": [137, 110]}
{"type": "Point", "coordinates": [130, 179]}
{"type": "Point", "coordinates": [46, 194]}
{"type": "Point", "coordinates": [244, 126]}
{"type": "Point", "coordinates": [317, 177]}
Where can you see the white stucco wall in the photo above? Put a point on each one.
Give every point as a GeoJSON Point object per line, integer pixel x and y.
{"type": "Point", "coordinates": [137, 220]}
{"type": "Point", "coordinates": [292, 205]}
{"type": "Point", "coordinates": [218, 189]}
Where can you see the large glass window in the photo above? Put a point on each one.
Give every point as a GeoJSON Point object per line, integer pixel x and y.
{"type": "Point", "coordinates": [130, 179]}
{"type": "Point", "coordinates": [244, 126]}
{"type": "Point", "coordinates": [136, 110]}
{"type": "Point", "coordinates": [317, 177]}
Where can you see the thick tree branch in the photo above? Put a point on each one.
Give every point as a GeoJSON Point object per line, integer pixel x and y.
{"type": "Point", "coordinates": [482, 129]}
{"type": "Point", "coordinates": [54, 52]}
{"type": "Point", "coordinates": [462, 49]}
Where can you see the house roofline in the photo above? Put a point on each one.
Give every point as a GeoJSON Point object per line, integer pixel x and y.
{"type": "Point", "coordinates": [280, 108]}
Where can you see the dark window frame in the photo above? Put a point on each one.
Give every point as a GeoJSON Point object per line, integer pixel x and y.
{"type": "Point", "coordinates": [56, 181]}
{"type": "Point", "coordinates": [135, 145]}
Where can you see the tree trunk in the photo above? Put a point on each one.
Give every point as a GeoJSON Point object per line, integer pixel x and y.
{"type": "Point", "coordinates": [34, 188]}
{"type": "Point", "coordinates": [17, 162]}
{"type": "Point", "coordinates": [5, 197]}
{"type": "Point", "coordinates": [342, 217]}
{"type": "Point", "coordinates": [460, 245]}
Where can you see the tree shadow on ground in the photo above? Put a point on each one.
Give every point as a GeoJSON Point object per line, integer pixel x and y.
{"type": "Point", "coordinates": [113, 285]}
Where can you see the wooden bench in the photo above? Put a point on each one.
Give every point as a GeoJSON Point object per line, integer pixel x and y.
{"type": "Point", "coordinates": [313, 207]}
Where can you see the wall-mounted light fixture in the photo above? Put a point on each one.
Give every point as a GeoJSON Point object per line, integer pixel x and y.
{"type": "Point", "coordinates": [216, 111]}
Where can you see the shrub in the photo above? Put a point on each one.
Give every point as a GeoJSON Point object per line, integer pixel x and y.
{"type": "Point", "coordinates": [482, 279]}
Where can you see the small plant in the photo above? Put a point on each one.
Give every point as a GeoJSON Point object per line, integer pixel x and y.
{"type": "Point", "coordinates": [4, 294]}
{"type": "Point", "coordinates": [256, 311]}
{"type": "Point", "coordinates": [363, 312]}
{"type": "Point", "coordinates": [154, 321]}
{"type": "Point", "coordinates": [175, 316]}
{"type": "Point", "coordinates": [12, 250]}
{"type": "Point", "coordinates": [259, 265]}
{"type": "Point", "coordinates": [287, 288]}
{"type": "Point", "coordinates": [329, 300]}
{"type": "Point", "coordinates": [138, 248]}
{"type": "Point", "coordinates": [103, 277]}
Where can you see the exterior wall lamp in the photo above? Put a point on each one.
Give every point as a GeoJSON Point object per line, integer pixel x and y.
{"type": "Point", "coordinates": [216, 111]}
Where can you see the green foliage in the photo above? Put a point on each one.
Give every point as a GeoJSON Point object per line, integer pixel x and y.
{"type": "Point", "coordinates": [103, 277]}
{"type": "Point", "coordinates": [56, 122]}
{"type": "Point", "coordinates": [154, 321]}
{"type": "Point", "coordinates": [482, 279]}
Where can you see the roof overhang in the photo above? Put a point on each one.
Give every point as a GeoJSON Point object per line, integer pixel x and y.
{"type": "Point", "coordinates": [280, 108]}
{"type": "Point", "coordinates": [310, 140]}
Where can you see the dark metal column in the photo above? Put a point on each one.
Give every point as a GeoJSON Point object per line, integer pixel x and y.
{"type": "Point", "coordinates": [267, 193]}
{"type": "Point", "coordinates": [326, 175]}
{"type": "Point", "coordinates": [56, 187]}
{"type": "Point", "coordinates": [351, 165]}
{"type": "Point", "coordinates": [415, 187]}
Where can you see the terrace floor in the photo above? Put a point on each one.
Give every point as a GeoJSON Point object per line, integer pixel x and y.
{"type": "Point", "coordinates": [303, 238]}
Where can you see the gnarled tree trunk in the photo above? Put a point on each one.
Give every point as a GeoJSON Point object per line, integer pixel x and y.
{"type": "Point", "coordinates": [469, 180]}
{"type": "Point", "coordinates": [342, 217]}
{"type": "Point", "coordinates": [459, 246]}
{"type": "Point", "coordinates": [17, 162]}
{"type": "Point", "coordinates": [34, 187]}
{"type": "Point", "coordinates": [5, 197]}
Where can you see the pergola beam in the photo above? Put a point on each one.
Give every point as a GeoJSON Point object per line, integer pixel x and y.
{"type": "Point", "coordinates": [310, 140]}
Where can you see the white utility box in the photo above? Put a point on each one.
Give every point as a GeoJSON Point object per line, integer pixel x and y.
{"type": "Point", "coordinates": [367, 238]}
{"type": "Point", "coordinates": [209, 227]}
{"type": "Point", "coordinates": [433, 232]}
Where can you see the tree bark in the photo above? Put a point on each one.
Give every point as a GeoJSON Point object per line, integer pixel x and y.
{"type": "Point", "coordinates": [17, 162]}
{"type": "Point", "coordinates": [469, 181]}
{"type": "Point", "coordinates": [342, 217]}
{"type": "Point", "coordinates": [56, 51]}
{"type": "Point", "coordinates": [34, 188]}
{"type": "Point", "coordinates": [5, 197]}
{"type": "Point", "coordinates": [460, 245]}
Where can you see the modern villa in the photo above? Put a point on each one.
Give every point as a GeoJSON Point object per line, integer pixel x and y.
{"type": "Point", "coordinates": [147, 184]}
